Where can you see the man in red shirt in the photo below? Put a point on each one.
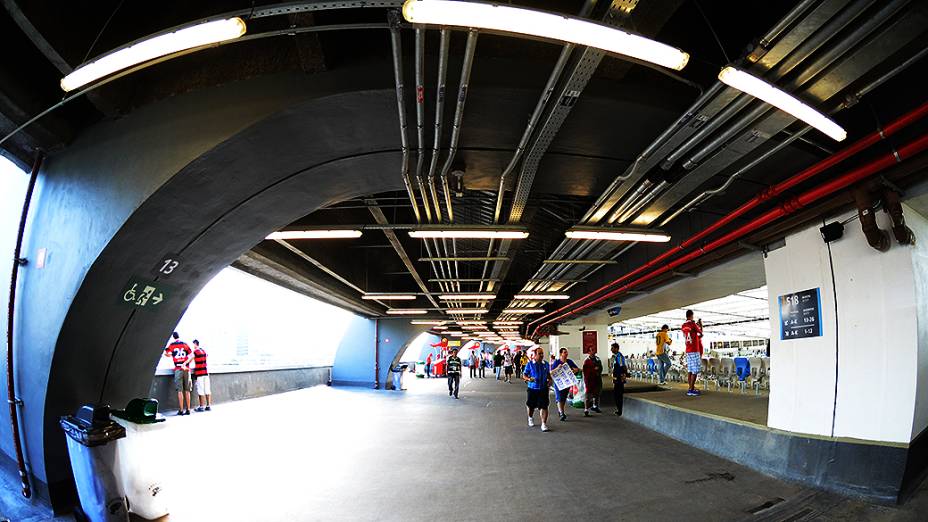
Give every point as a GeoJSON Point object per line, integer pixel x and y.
{"type": "Point", "coordinates": [182, 355]}
{"type": "Point", "coordinates": [201, 378]}
{"type": "Point", "coordinates": [692, 333]}
{"type": "Point", "coordinates": [428, 366]}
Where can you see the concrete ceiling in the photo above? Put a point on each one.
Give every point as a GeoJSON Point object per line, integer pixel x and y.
{"type": "Point", "coordinates": [744, 273]}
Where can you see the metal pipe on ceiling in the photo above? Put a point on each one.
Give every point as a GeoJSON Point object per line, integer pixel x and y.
{"type": "Point", "coordinates": [644, 200]}
{"type": "Point", "coordinates": [420, 120]}
{"type": "Point", "coordinates": [397, 49]}
{"type": "Point", "coordinates": [439, 119]}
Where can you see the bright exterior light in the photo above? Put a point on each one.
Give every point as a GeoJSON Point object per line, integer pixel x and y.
{"type": "Point", "coordinates": [524, 311]}
{"type": "Point", "coordinates": [780, 99]}
{"type": "Point", "coordinates": [541, 297]}
{"type": "Point", "coordinates": [406, 311]}
{"type": "Point", "coordinates": [315, 234]}
{"type": "Point", "coordinates": [468, 234]}
{"type": "Point", "coordinates": [649, 236]}
{"type": "Point", "coordinates": [466, 297]}
{"type": "Point", "coordinates": [544, 25]}
{"type": "Point", "coordinates": [426, 321]}
{"type": "Point", "coordinates": [518, 323]}
{"type": "Point", "coordinates": [155, 47]}
{"type": "Point", "coordinates": [388, 297]}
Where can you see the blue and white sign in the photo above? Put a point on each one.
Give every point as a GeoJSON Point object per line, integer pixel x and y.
{"type": "Point", "coordinates": [800, 314]}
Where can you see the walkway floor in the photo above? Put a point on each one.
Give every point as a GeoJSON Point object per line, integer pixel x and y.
{"type": "Point", "coordinates": [357, 454]}
{"type": "Point", "coordinates": [733, 404]}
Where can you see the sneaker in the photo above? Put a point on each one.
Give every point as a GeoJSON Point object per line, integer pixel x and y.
{"type": "Point", "coordinates": [697, 392]}
{"type": "Point", "coordinates": [455, 396]}
{"type": "Point", "coordinates": [691, 393]}
{"type": "Point", "coordinates": [198, 409]}
{"type": "Point", "coordinates": [596, 409]}
{"type": "Point", "coordinates": [544, 427]}
{"type": "Point", "coordinates": [663, 383]}
{"type": "Point", "coordinates": [207, 408]}
{"type": "Point", "coordinates": [563, 417]}
{"type": "Point", "coordinates": [179, 412]}
{"type": "Point", "coordinates": [450, 394]}
{"type": "Point", "coordinates": [531, 422]}
{"type": "Point", "coordinates": [186, 412]}
{"type": "Point", "coordinates": [586, 413]}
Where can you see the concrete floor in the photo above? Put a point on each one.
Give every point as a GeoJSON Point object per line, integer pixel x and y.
{"type": "Point", "coordinates": [357, 454]}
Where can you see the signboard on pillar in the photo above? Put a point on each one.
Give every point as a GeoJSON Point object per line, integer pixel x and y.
{"type": "Point", "coordinates": [800, 314]}
{"type": "Point", "coordinates": [589, 340]}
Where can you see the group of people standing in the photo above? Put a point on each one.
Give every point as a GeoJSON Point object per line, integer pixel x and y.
{"type": "Point", "coordinates": [189, 369]}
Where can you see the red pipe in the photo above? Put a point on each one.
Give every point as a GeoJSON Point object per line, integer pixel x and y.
{"type": "Point", "coordinates": [784, 209]}
{"type": "Point", "coordinates": [774, 191]}
{"type": "Point", "coordinates": [10, 374]}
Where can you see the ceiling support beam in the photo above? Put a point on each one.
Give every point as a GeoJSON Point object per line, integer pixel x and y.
{"type": "Point", "coordinates": [381, 220]}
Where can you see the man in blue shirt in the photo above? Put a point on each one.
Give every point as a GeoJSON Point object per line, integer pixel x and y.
{"type": "Point", "coordinates": [537, 374]}
{"type": "Point", "coordinates": [619, 375]}
{"type": "Point", "coordinates": [561, 395]}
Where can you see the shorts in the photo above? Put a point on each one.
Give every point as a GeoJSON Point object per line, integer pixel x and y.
{"type": "Point", "coordinates": [693, 362]}
{"type": "Point", "coordinates": [537, 399]}
{"type": "Point", "coordinates": [561, 395]}
{"type": "Point", "coordinates": [594, 387]}
{"type": "Point", "coordinates": [202, 384]}
{"type": "Point", "coordinates": [182, 381]}
{"type": "Point", "coordinates": [508, 370]}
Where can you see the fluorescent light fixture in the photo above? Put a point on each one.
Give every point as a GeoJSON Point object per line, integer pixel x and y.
{"type": "Point", "coordinates": [468, 234]}
{"type": "Point", "coordinates": [154, 47]}
{"type": "Point", "coordinates": [508, 322]}
{"type": "Point", "coordinates": [541, 297]}
{"type": "Point", "coordinates": [466, 310]}
{"type": "Point", "coordinates": [782, 100]}
{"type": "Point", "coordinates": [471, 322]}
{"type": "Point", "coordinates": [406, 311]}
{"type": "Point", "coordinates": [466, 297]}
{"type": "Point", "coordinates": [315, 234]}
{"type": "Point", "coordinates": [439, 328]}
{"type": "Point", "coordinates": [524, 311]}
{"type": "Point", "coordinates": [455, 334]}
{"type": "Point", "coordinates": [543, 25]}
{"type": "Point", "coordinates": [427, 321]}
{"type": "Point", "coordinates": [617, 234]}
{"type": "Point", "coordinates": [388, 297]}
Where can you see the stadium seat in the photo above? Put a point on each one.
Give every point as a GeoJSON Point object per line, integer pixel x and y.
{"type": "Point", "coordinates": [742, 371]}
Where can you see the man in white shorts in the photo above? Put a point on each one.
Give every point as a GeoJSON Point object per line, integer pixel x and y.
{"type": "Point", "coordinates": [201, 378]}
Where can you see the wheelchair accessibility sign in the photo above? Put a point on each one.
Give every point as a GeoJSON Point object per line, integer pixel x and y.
{"type": "Point", "coordinates": [141, 293]}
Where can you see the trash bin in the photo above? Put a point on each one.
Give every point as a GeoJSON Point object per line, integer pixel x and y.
{"type": "Point", "coordinates": [89, 433]}
{"type": "Point", "coordinates": [398, 376]}
{"type": "Point", "coordinates": [420, 369]}
{"type": "Point", "coordinates": [141, 457]}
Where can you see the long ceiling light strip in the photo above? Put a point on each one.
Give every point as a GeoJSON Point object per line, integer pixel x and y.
{"type": "Point", "coordinates": [540, 297]}
{"type": "Point", "coordinates": [523, 310]}
{"type": "Point", "coordinates": [467, 297]}
{"type": "Point", "coordinates": [388, 297]}
{"type": "Point", "coordinates": [427, 322]}
{"type": "Point", "coordinates": [515, 323]}
{"type": "Point", "coordinates": [155, 47]}
{"type": "Point", "coordinates": [406, 311]}
{"type": "Point", "coordinates": [782, 100]}
{"type": "Point", "coordinates": [466, 311]}
{"type": "Point", "coordinates": [467, 234]}
{"type": "Point", "coordinates": [315, 234]}
{"type": "Point", "coordinates": [544, 25]}
{"type": "Point", "coordinates": [606, 234]}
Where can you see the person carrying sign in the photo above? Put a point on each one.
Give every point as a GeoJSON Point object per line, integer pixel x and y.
{"type": "Point", "coordinates": [619, 376]}
{"type": "Point", "coordinates": [692, 334]}
{"type": "Point", "coordinates": [561, 395]}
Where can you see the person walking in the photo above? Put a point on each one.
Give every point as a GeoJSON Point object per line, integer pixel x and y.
{"type": "Point", "coordinates": [663, 341]}
{"type": "Point", "coordinates": [619, 376]}
{"type": "Point", "coordinates": [428, 366]}
{"type": "Point", "coordinates": [537, 374]}
{"type": "Point", "coordinates": [201, 378]}
{"type": "Point", "coordinates": [482, 364]}
{"type": "Point", "coordinates": [498, 364]}
{"type": "Point", "coordinates": [181, 354]}
{"type": "Point", "coordinates": [593, 380]}
{"type": "Point", "coordinates": [560, 396]}
{"type": "Point", "coordinates": [517, 361]}
{"type": "Point", "coordinates": [474, 363]}
{"type": "Point", "coordinates": [692, 334]}
{"type": "Point", "coordinates": [507, 365]}
{"type": "Point", "coordinates": [453, 370]}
